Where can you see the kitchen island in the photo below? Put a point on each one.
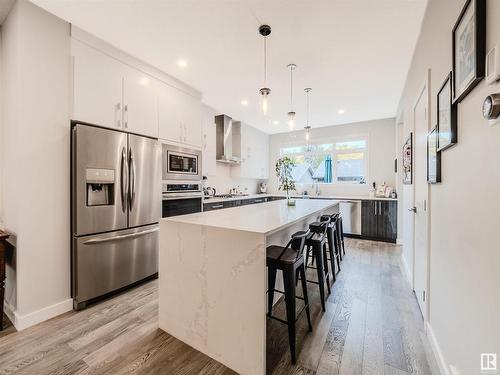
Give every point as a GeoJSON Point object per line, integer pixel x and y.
{"type": "Point", "coordinates": [212, 276]}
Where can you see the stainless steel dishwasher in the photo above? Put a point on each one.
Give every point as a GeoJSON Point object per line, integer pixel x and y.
{"type": "Point", "coordinates": [351, 216]}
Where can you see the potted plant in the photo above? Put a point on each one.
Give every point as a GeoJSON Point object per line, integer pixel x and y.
{"type": "Point", "coordinates": [284, 167]}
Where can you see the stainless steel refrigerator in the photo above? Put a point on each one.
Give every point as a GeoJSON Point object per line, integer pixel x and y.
{"type": "Point", "coordinates": [116, 202]}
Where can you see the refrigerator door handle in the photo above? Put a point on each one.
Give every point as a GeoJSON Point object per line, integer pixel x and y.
{"type": "Point", "coordinates": [132, 179]}
{"type": "Point", "coordinates": [118, 238]}
{"type": "Point", "coordinates": [124, 179]}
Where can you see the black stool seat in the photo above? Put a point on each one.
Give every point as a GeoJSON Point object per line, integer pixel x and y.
{"type": "Point", "coordinates": [290, 261]}
{"type": "Point", "coordinates": [280, 253]}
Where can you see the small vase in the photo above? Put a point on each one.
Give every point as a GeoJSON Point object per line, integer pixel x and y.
{"type": "Point", "coordinates": [290, 201]}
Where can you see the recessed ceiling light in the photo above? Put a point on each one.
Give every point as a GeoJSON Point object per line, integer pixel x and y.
{"type": "Point", "coordinates": [244, 103]}
{"type": "Point", "coordinates": [340, 111]}
{"type": "Point", "coordinates": [276, 122]}
{"type": "Point", "coordinates": [182, 63]}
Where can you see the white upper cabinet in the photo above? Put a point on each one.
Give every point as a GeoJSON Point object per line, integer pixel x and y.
{"type": "Point", "coordinates": [179, 116]}
{"type": "Point", "coordinates": [97, 87]}
{"type": "Point", "coordinates": [140, 103]}
{"type": "Point", "coordinates": [121, 95]}
{"type": "Point", "coordinates": [208, 132]}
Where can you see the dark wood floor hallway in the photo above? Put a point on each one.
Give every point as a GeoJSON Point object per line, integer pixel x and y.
{"type": "Point", "coordinates": [372, 326]}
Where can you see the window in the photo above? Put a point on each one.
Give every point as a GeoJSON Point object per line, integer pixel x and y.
{"type": "Point", "coordinates": [343, 161]}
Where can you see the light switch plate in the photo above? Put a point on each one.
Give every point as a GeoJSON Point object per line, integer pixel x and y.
{"type": "Point", "coordinates": [493, 66]}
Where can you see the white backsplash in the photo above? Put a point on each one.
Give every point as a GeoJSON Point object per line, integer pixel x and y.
{"type": "Point", "coordinates": [223, 181]}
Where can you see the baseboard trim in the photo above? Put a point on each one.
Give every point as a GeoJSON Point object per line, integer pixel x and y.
{"type": "Point", "coordinates": [24, 321]}
{"type": "Point", "coordinates": [438, 354]}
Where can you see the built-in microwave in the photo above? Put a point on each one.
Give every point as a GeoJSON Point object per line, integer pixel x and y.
{"type": "Point", "coordinates": [180, 163]}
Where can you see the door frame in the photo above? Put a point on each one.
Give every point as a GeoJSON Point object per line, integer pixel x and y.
{"type": "Point", "coordinates": [423, 91]}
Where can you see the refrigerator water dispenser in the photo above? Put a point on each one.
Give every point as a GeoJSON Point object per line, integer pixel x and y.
{"type": "Point", "coordinates": [100, 187]}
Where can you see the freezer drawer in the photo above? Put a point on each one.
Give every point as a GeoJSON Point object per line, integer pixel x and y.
{"type": "Point", "coordinates": [107, 262]}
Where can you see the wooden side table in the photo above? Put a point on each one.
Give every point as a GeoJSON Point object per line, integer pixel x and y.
{"type": "Point", "coordinates": [3, 239]}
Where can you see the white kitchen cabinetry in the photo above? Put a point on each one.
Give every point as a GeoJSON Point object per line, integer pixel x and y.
{"type": "Point", "coordinates": [109, 93]}
{"type": "Point", "coordinates": [254, 154]}
{"type": "Point", "coordinates": [97, 87]}
{"type": "Point", "coordinates": [140, 104]}
{"type": "Point", "coordinates": [208, 130]}
{"type": "Point", "coordinates": [179, 116]}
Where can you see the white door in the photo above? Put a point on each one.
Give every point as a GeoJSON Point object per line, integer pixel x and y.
{"type": "Point", "coordinates": [140, 111]}
{"type": "Point", "coordinates": [421, 246]}
{"type": "Point", "coordinates": [169, 115]}
{"type": "Point", "coordinates": [97, 87]}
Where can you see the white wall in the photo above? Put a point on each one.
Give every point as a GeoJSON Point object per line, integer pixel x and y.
{"type": "Point", "coordinates": [464, 255]}
{"type": "Point", "coordinates": [223, 181]}
{"type": "Point", "coordinates": [381, 138]}
{"type": "Point", "coordinates": [35, 153]}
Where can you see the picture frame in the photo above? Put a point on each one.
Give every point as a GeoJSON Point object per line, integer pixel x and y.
{"type": "Point", "coordinates": [469, 48]}
{"type": "Point", "coordinates": [408, 160]}
{"type": "Point", "coordinates": [446, 115]}
{"type": "Point", "coordinates": [433, 158]}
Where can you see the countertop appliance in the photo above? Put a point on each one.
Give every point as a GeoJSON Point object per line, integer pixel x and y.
{"type": "Point", "coordinates": [181, 197]}
{"type": "Point", "coordinates": [351, 216]}
{"type": "Point", "coordinates": [263, 187]}
{"type": "Point", "coordinates": [180, 163]}
{"type": "Point", "coordinates": [115, 185]}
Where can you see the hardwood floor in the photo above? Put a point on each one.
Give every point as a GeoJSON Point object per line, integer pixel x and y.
{"type": "Point", "coordinates": [372, 326]}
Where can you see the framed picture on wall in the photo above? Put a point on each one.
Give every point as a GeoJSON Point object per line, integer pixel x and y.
{"type": "Point", "coordinates": [469, 48]}
{"type": "Point", "coordinates": [433, 158]}
{"type": "Point", "coordinates": [446, 115]}
{"type": "Point", "coordinates": [408, 160]}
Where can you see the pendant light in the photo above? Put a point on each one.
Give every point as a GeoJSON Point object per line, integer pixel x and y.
{"type": "Point", "coordinates": [265, 31]}
{"type": "Point", "coordinates": [291, 114]}
{"type": "Point", "coordinates": [307, 128]}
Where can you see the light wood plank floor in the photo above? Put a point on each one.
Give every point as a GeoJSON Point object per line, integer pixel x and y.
{"type": "Point", "coordinates": [372, 326]}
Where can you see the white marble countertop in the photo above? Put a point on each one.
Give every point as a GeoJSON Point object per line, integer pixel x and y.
{"type": "Point", "coordinates": [337, 197]}
{"type": "Point", "coordinates": [264, 218]}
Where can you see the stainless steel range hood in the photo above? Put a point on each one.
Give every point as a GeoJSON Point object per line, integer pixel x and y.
{"type": "Point", "coordinates": [228, 140]}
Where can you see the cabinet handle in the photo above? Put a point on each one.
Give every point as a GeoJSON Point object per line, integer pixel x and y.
{"type": "Point", "coordinates": [218, 206]}
{"type": "Point", "coordinates": [118, 109]}
{"type": "Point", "coordinates": [125, 108]}
{"type": "Point", "coordinates": [380, 208]}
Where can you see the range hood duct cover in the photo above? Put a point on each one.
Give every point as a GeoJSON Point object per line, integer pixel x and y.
{"type": "Point", "coordinates": [228, 140]}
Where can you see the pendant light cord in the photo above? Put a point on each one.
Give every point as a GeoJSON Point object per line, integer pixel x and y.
{"type": "Point", "coordinates": [265, 61]}
{"type": "Point", "coordinates": [291, 89]}
{"type": "Point", "coordinates": [307, 108]}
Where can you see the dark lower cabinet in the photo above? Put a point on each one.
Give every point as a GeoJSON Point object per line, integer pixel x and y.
{"type": "Point", "coordinates": [379, 220]}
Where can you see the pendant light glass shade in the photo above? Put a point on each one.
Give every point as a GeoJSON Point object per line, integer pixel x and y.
{"type": "Point", "coordinates": [307, 128]}
{"type": "Point", "coordinates": [265, 31]}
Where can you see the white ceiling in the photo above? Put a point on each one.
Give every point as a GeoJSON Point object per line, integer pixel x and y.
{"type": "Point", "coordinates": [353, 53]}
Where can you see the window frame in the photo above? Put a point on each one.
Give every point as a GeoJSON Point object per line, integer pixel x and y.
{"type": "Point", "coordinates": [333, 141]}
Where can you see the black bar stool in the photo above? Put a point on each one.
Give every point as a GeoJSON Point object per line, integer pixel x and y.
{"type": "Point", "coordinates": [290, 260]}
{"type": "Point", "coordinates": [333, 245]}
{"type": "Point", "coordinates": [316, 246]}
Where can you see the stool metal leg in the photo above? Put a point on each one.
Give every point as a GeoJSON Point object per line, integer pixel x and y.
{"type": "Point", "coordinates": [302, 271]}
{"type": "Point", "coordinates": [271, 282]}
{"type": "Point", "coordinates": [321, 278]}
{"type": "Point", "coordinates": [325, 267]}
{"type": "Point", "coordinates": [288, 279]}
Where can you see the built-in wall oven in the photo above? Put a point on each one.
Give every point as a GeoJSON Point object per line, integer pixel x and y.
{"type": "Point", "coordinates": [180, 163]}
{"type": "Point", "coordinates": [181, 197]}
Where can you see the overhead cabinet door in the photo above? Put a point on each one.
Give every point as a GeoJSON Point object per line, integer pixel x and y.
{"type": "Point", "coordinates": [97, 87]}
{"type": "Point", "coordinates": [140, 111]}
